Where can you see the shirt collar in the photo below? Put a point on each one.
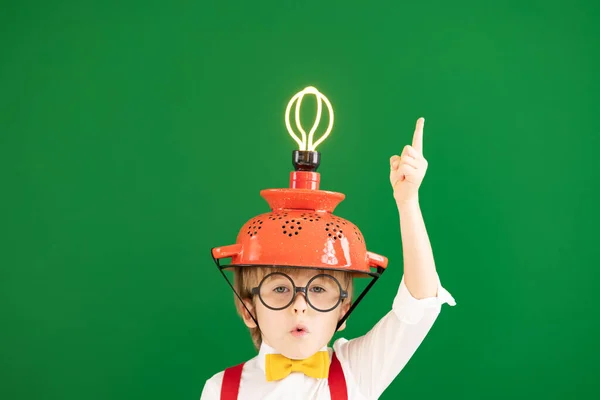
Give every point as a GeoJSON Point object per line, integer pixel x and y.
{"type": "Point", "coordinates": [266, 349]}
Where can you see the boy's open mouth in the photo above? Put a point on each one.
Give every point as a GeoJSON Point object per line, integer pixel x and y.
{"type": "Point", "coordinates": [299, 330]}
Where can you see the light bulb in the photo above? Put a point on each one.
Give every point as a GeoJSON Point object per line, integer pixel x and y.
{"type": "Point", "coordinates": [304, 144]}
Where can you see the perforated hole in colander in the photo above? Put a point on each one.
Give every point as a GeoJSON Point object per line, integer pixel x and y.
{"type": "Point", "coordinates": [254, 226]}
{"type": "Point", "coordinates": [358, 235]}
{"type": "Point", "coordinates": [310, 217]}
{"type": "Point", "coordinates": [334, 231]}
{"type": "Point", "coordinates": [291, 227]}
{"type": "Point", "coordinates": [279, 215]}
{"type": "Point", "coordinates": [339, 220]}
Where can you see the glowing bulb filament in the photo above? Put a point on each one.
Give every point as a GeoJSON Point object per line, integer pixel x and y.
{"type": "Point", "coordinates": [297, 99]}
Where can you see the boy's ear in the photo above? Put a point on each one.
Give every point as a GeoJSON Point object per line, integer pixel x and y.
{"type": "Point", "coordinates": [246, 315]}
{"type": "Point", "coordinates": [344, 310]}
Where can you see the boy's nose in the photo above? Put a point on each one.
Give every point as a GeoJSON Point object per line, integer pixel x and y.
{"type": "Point", "coordinates": [299, 304]}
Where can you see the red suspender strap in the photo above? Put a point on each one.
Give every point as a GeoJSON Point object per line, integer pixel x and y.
{"type": "Point", "coordinates": [337, 381]}
{"type": "Point", "coordinates": [231, 382]}
{"type": "Point", "coordinates": [230, 386]}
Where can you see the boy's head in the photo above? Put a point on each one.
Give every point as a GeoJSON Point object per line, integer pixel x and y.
{"type": "Point", "coordinates": [300, 329]}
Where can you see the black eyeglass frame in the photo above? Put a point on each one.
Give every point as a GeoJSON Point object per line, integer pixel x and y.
{"type": "Point", "coordinates": [374, 277]}
{"type": "Point", "coordinates": [301, 289]}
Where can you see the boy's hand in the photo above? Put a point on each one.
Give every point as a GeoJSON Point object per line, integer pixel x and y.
{"type": "Point", "coordinates": [408, 170]}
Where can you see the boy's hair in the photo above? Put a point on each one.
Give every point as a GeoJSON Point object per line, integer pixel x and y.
{"type": "Point", "coordinates": [246, 278]}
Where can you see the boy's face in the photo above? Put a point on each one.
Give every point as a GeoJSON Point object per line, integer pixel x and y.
{"type": "Point", "coordinates": [299, 330]}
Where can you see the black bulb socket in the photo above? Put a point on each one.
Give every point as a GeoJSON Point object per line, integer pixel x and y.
{"type": "Point", "coordinates": [304, 160]}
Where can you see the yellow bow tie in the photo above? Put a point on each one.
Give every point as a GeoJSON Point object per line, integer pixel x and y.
{"type": "Point", "coordinates": [278, 366]}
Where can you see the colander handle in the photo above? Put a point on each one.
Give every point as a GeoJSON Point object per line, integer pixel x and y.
{"type": "Point", "coordinates": [227, 251]}
{"type": "Point", "coordinates": [376, 260]}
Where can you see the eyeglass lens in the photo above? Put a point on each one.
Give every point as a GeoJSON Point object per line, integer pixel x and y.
{"type": "Point", "coordinates": [277, 291]}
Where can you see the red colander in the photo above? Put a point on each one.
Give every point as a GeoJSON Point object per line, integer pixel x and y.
{"type": "Point", "coordinates": [302, 231]}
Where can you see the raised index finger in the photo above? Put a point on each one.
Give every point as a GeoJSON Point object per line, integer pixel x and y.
{"type": "Point", "coordinates": [417, 142]}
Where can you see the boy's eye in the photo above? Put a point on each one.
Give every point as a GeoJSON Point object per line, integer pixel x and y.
{"type": "Point", "coordinates": [317, 289]}
{"type": "Point", "coordinates": [280, 289]}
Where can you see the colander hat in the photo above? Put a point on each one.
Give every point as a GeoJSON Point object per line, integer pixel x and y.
{"type": "Point", "coordinates": [301, 231]}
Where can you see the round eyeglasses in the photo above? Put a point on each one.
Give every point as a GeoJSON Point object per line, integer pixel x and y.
{"type": "Point", "coordinates": [322, 292]}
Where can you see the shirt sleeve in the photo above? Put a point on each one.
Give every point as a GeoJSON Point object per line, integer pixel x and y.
{"type": "Point", "coordinates": [373, 361]}
{"type": "Point", "coordinates": [212, 388]}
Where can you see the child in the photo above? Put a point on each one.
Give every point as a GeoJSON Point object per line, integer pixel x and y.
{"type": "Point", "coordinates": [297, 311]}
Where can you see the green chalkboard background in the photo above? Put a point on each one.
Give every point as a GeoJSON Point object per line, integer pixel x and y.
{"type": "Point", "coordinates": [136, 135]}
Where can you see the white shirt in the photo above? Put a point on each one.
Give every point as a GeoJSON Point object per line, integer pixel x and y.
{"type": "Point", "coordinates": [370, 362]}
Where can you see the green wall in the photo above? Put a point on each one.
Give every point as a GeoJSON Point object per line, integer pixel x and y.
{"type": "Point", "coordinates": [134, 136]}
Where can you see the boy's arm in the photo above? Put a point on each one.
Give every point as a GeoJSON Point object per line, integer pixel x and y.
{"type": "Point", "coordinates": [406, 174]}
{"type": "Point", "coordinates": [375, 359]}
{"type": "Point", "coordinates": [420, 275]}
